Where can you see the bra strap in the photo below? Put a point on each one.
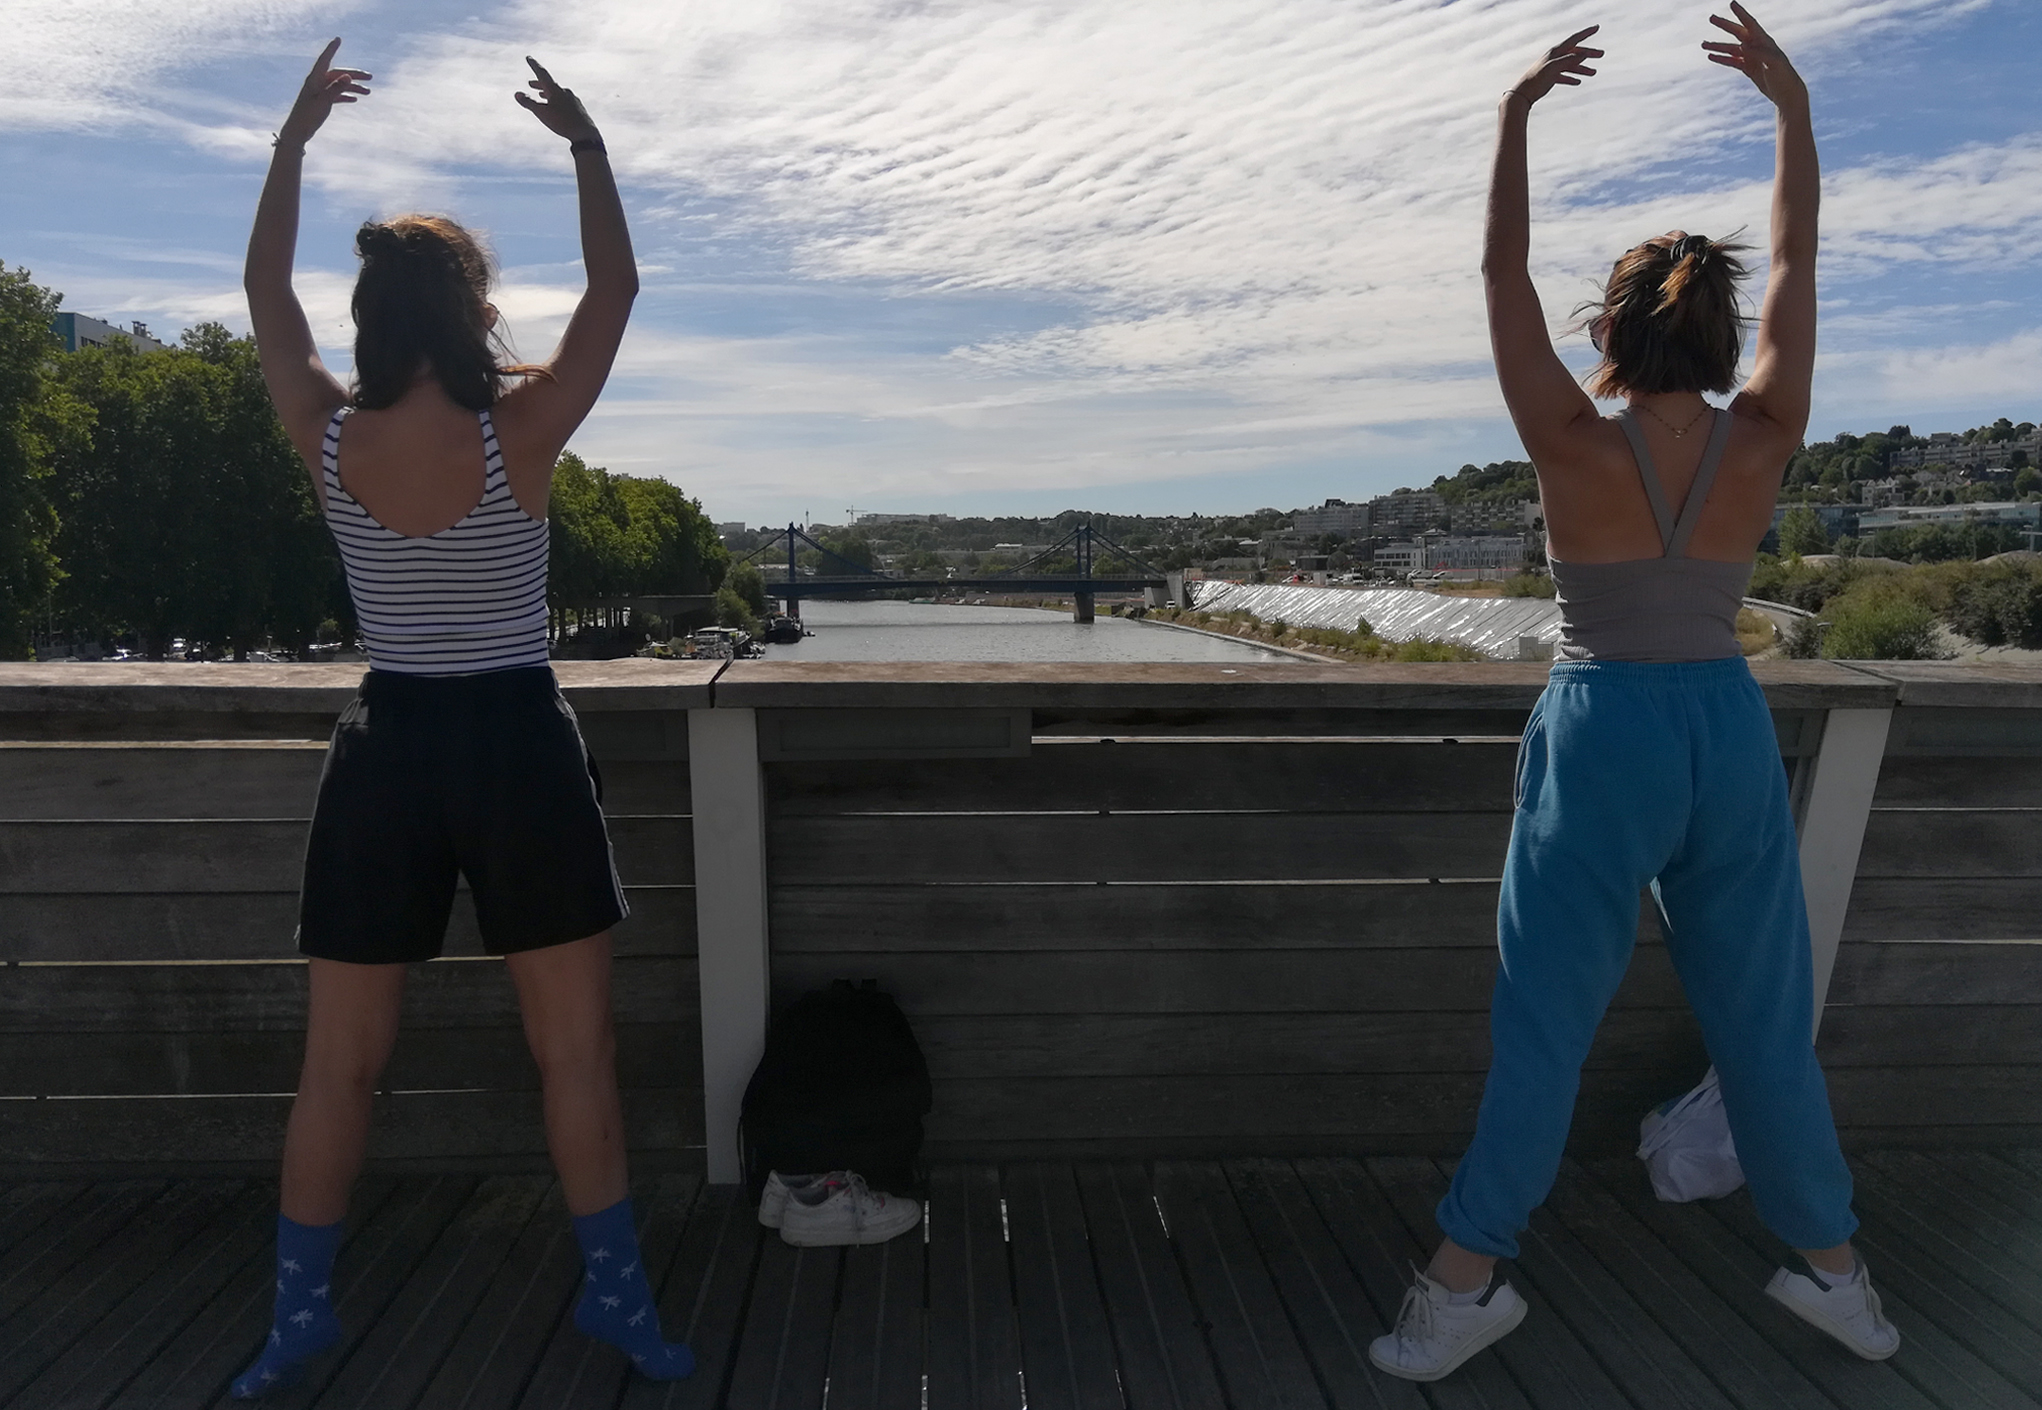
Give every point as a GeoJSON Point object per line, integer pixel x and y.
{"type": "Point", "coordinates": [1698, 492]}
{"type": "Point", "coordinates": [1649, 473]}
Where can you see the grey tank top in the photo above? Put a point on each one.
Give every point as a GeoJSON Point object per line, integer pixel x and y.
{"type": "Point", "coordinates": [1670, 608]}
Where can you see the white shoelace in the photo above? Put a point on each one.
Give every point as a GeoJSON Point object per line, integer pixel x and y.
{"type": "Point", "coordinates": [1414, 1318]}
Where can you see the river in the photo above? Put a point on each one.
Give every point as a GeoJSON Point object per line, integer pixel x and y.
{"type": "Point", "coordinates": [916, 631]}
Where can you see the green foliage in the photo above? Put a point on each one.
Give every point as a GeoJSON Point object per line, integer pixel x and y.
{"type": "Point", "coordinates": [1529, 585]}
{"type": "Point", "coordinates": [749, 584]}
{"type": "Point", "coordinates": [1801, 531]}
{"type": "Point", "coordinates": [32, 428]}
{"type": "Point", "coordinates": [1804, 640]}
{"type": "Point", "coordinates": [184, 508]}
{"type": "Point", "coordinates": [1941, 543]}
{"type": "Point", "coordinates": [732, 610]}
{"type": "Point", "coordinates": [622, 536]}
{"type": "Point", "coordinates": [1423, 650]}
{"type": "Point", "coordinates": [1996, 604]}
{"type": "Point", "coordinates": [1498, 481]}
{"type": "Point", "coordinates": [1887, 617]}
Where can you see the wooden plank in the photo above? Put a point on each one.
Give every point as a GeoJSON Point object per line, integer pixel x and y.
{"type": "Point", "coordinates": [238, 856]}
{"type": "Point", "coordinates": [1936, 1096]}
{"type": "Point", "coordinates": [1931, 1035]}
{"type": "Point", "coordinates": [1933, 781]}
{"type": "Point", "coordinates": [1142, 1045]}
{"type": "Point", "coordinates": [262, 925]}
{"type": "Point", "coordinates": [1326, 1113]}
{"type": "Point", "coordinates": [197, 998]}
{"type": "Point", "coordinates": [839, 732]}
{"type": "Point", "coordinates": [1993, 1256]}
{"type": "Point", "coordinates": [1543, 1355]}
{"type": "Point", "coordinates": [1123, 723]}
{"type": "Point", "coordinates": [974, 1349]}
{"type": "Point", "coordinates": [496, 1350]}
{"type": "Point", "coordinates": [40, 1259]}
{"type": "Point", "coordinates": [1937, 1362]}
{"type": "Point", "coordinates": [1925, 908]}
{"type": "Point", "coordinates": [1735, 1275]}
{"type": "Point", "coordinates": [1259, 1359]}
{"type": "Point", "coordinates": [394, 1223]}
{"type": "Point", "coordinates": [69, 1134]}
{"type": "Point", "coordinates": [73, 1301]}
{"type": "Point", "coordinates": [1897, 973]}
{"type": "Point", "coordinates": [1334, 776]}
{"type": "Point", "coordinates": [1066, 1343]}
{"type": "Point", "coordinates": [131, 726]}
{"type": "Point", "coordinates": [952, 848]}
{"type": "Point", "coordinates": [1164, 1361]}
{"type": "Point", "coordinates": [153, 1316]}
{"type": "Point", "coordinates": [1952, 842]}
{"type": "Point", "coordinates": [575, 1370]}
{"type": "Point", "coordinates": [1135, 915]}
{"type": "Point", "coordinates": [876, 1351]}
{"type": "Point", "coordinates": [703, 1298]}
{"type": "Point", "coordinates": [783, 1355]}
{"type": "Point", "coordinates": [1333, 1320]}
{"type": "Point", "coordinates": [395, 1358]}
{"type": "Point", "coordinates": [1940, 729]}
{"type": "Point", "coordinates": [1639, 1355]}
{"type": "Point", "coordinates": [29, 1207]}
{"type": "Point", "coordinates": [251, 779]}
{"type": "Point", "coordinates": [1378, 1250]}
{"type": "Point", "coordinates": [218, 1063]}
{"type": "Point", "coordinates": [1984, 1193]}
{"type": "Point", "coordinates": [1194, 981]}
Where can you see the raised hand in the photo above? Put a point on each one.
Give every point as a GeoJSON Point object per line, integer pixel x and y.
{"type": "Point", "coordinates": [324, 87]}
{"type": "Point", "coordinates": [1758, 58]}
{"type": "Point", "coordinates": [561, 111]}
{"type": "Point", "coordinates": [1565, 63]}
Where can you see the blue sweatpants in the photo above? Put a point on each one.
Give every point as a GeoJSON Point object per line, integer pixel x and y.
{"type": "Point", "coordinates": [1670, 775]}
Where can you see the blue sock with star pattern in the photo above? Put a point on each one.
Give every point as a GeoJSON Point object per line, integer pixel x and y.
{"type": "Point", "coordinates": [616, 1296]}
{"type": "Point", "coordinates": [304, 1323]}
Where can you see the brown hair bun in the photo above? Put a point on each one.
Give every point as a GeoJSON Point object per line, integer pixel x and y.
{"type": "Point", "coordinates": [1670, 319]}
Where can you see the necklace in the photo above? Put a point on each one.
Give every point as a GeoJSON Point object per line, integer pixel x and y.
{"type": "Point", "coordinates": [1678, 431]}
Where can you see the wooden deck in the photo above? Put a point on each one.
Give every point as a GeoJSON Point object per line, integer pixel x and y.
{"type": "Point", "coordinates": [1181, 1286]}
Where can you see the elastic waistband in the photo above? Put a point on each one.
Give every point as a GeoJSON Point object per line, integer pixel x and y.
{"type": "Point", "coordinates": [400, 687]}
{"type": "Point", "coordinates": [1653, 675]}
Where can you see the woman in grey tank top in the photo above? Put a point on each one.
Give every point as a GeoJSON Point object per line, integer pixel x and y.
{"type": "Point", "coordinates": [1651, 757]}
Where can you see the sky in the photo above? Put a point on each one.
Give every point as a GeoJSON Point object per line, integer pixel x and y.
{"type": "Point", "coordinates": [1133, 256]}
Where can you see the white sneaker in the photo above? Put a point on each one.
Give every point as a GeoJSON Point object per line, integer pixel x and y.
{"type": "Point", "coordinates": [1847, 1309]}
{"type": "Point", "coordinates": [1434, 1335]}
{"type": "Point", "coordinates": [773, 1203]}
{"type": "Point", "coordinates": [838, 1208]}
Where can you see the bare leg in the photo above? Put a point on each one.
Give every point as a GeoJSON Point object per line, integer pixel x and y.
{"type": "Point", "coordinates": [350, 1027]}
{"type": "Point", "coordinates": [564, 991]}
{"type": "Point", "coordinates": [1458, 1269]}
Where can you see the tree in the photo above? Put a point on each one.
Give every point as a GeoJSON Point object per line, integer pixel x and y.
{"type": "Point", "coordinates": [623, 536]}
{"type": "Point", "coordinates": [750, 586]}
{"type": "Point", "coordinates": [1801, 531]}
{"type": "Point", "coordinates": [184, 509]}
{"type": "Point", "coordinates": [33, 423]}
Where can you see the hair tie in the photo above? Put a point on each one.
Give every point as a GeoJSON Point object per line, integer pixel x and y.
{"type": "Point", "coordinates": [1687, 246]}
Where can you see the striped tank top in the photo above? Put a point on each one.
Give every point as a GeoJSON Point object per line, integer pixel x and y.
{"type": "Point", "coordinates": [467, 599]}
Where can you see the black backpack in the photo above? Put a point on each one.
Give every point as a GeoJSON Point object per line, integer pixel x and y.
{"type": "Point", "coordinates": [842, 1086]}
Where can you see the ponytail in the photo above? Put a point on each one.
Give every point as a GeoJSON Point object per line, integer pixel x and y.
{"type": "Point", "coordinates": [1671, 319]}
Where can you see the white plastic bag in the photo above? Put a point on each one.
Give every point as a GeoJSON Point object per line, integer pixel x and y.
{"type": "Point", "coordinates": [1686, 1146]}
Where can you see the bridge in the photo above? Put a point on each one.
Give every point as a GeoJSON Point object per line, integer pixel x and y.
{"type": "Point", "coordinates": [1044, 572]}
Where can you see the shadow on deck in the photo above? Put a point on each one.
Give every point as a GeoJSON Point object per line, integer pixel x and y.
{"type": "Point", "coordinates": [1179, 1285]}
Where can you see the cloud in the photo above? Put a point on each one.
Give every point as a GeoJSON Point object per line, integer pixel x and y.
{"type": "Point", "coordinates": [1233, 235]}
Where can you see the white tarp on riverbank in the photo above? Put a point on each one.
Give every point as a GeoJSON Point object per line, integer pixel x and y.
{"type": "Point", "coordinates": [1490, 625]}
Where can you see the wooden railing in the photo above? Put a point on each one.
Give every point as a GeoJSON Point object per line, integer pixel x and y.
{"type": "Point", "coordinates": [1132, 910]}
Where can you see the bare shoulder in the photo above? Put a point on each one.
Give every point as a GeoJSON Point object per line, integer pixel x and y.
{"type": "Point", "coordinates": [527, 439]}
{"type": "Point", "coordinates": [1593, 450]}
{"type": "Point", "coordinates": [1760, 443]}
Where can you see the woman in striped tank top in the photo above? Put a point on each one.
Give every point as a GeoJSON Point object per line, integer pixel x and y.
{"type": "Point", "coordinates": [458, 757]}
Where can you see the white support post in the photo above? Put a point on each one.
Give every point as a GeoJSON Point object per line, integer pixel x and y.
{"type": "Point", "coordinates": [1833, 829]}
{"type": "Point", "coordinates": [730, 919]}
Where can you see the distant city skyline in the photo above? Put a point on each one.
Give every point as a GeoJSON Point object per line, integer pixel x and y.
{"type": "Point", "coordinates": [974, 259]}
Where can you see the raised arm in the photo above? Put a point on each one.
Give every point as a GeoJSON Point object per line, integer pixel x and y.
{"type": "Point", "coordinates": [1783, 364]}
{"type": "Point", "coordinates": [304, 392]}
{"type": "Point", "coordinates": [1546, 403]}
{"type": "Point", "coordinates": [546, 410]}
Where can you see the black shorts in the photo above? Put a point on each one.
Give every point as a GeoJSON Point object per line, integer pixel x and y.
{"type": "Point", "coordinates": [430, 778]}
